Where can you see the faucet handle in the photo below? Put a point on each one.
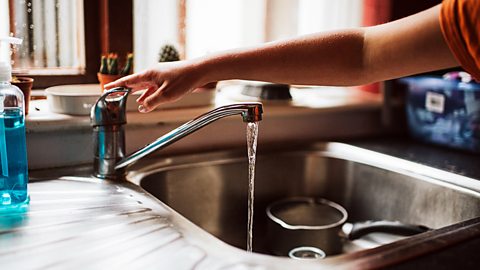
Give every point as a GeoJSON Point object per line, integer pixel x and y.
{"type": "Point", "coordinates": [110, 108]}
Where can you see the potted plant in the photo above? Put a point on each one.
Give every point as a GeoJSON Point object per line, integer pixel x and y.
{"type": "Point", "coordinates": [110, 70]}
{"type": "Point", "coordinates": [25, 84]}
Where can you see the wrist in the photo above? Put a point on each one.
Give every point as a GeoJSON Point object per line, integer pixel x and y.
{"type": "Point", "coordinates": [203, 70]}
{"type": "Point", "coordinates": [214, 67]}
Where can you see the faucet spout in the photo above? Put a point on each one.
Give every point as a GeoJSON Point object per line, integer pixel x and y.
{"type": "Point", "coordinates": [250, 112]}
{"type": "Point", "coordinates": [108, 116]}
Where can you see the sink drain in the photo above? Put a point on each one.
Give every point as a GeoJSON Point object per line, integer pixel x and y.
{"type": "Point", "coordinates": [306, 253]}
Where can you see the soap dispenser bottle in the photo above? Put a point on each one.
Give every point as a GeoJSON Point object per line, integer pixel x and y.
{"type": "Point", "coordinates": [13, 150]}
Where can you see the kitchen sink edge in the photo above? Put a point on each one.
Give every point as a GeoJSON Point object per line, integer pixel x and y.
{"type": "Point", "coordinates": [212, 253]}
{"type": "Point", "coordinates": [381, 256]}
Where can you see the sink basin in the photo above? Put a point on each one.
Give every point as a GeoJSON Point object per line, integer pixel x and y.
{"type": "Point", "coordinates": [210, 189]}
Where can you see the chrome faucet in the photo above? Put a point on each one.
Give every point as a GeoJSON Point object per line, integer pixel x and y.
{"type": "Point", "coordinates": [108, 116]}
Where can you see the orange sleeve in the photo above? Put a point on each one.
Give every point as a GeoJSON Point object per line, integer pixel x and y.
{"type": "Point", "coordinates": [460, 23]}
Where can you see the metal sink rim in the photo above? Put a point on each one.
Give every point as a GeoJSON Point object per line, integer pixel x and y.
{"type": "Point", "coordinates": [327, 149]}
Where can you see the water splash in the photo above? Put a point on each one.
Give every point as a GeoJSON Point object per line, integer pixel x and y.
{"type": "Point", "coordinates": [252, 135]}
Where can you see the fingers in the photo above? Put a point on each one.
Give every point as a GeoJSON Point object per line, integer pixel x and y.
{"type": "Point", "coordinates": [138, 81]}
{"type": "Point", "coordinates": [122, 82]}
{"type": "Point", "coordinates": [147, 93]}
{"type": "Point", "coordinates": [150, 100]}
{"type": "Point", "coordinates": [165, 94]}
{"type": "Point", "coordinates": [163, 84]}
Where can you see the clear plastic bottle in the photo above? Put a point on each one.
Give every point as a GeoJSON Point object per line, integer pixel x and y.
{"type": "Point", "coordinates": [13, 150]}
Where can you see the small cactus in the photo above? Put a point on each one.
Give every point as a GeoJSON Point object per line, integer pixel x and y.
{"type": "Point", "coordinates": [109, 64]}
{"type": "Point", "coordinates": [104, 65]}
{"type": "Point", "coordinates": [168, 53]}
{"type": "Point", "coordinates": [128, 68]}
{"type": "Point", "coordinates": [113, 65]}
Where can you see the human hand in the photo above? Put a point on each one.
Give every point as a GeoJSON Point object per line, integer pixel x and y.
{"type": "Point", "coordinates": [165, 82]}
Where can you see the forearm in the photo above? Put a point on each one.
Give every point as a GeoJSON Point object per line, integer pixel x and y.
{"type": "Point", "coordinates": [331, 58]}
{"type": "Point", "coordinates": [350, 57]}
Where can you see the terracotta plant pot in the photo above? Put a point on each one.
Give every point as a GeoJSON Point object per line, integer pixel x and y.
{"type": "Point", "coordinates": [106, 78]}
{"type": "Point", "coordinates": [25, 84]}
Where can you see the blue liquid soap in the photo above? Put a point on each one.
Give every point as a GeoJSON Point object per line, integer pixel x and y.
{"type": "Point", "coordinates": [13, 186]}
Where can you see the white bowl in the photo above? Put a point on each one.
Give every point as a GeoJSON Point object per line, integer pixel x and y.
{"type": "Point", "coordinates": [78, 99]}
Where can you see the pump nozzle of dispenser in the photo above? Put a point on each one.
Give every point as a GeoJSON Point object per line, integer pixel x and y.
{"type": "Point", "coordinates": [5, 75]}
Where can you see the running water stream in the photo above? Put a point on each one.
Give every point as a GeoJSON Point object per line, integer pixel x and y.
{"type": "Point", "coordinates": [252, 134]}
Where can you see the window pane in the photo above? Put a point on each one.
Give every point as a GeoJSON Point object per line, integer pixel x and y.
{"type": "Point", "coordinates": [52, 33]}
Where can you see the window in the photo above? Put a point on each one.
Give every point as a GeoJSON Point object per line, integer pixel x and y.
{"type": "Point", "coordinates": [199, 27]}
{"type": "Point", "coordinates": [52, 33]}
{"type": "Point", "coordinates": [63, 39]}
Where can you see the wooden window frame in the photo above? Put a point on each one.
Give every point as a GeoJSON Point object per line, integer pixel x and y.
{"type": "Point", "coordinates": [108, 28]}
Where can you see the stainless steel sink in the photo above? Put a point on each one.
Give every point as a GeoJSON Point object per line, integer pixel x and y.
{"type": "Point", "coordinates": [210, 189]}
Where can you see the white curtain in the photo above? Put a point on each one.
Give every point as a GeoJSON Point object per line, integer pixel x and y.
{"type": "Point", "coordinates": [213, 25]}
{"type": "Point", "coordinates": [155, 24]}
{"type": "Point", "coordinates": [287, 18]}
{"type": "Point", "coordinates": [281, 19]}
{"type": "Point", "coordinates": [323, 15]}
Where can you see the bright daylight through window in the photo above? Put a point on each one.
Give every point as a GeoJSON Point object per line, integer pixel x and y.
{"type": "Point", "coordinates": [54, 38]}
{"type": "Point", "coordinates": [205, 26]}
{"type": "Point", "coordinates": [52, 33]}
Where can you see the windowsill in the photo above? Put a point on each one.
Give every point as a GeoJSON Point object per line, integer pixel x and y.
{"type": "Point", "coordinates": [59, 71]}
{"type": "Point", "coordinates": [305, 101]}
{"type": "Point", "coordinates": [41, 119]}
{"type": "Point", "coordinates": [56, 140]}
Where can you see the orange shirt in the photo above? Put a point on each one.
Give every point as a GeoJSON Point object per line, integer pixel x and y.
{"type": "Point", "coordinates": [460, 22]}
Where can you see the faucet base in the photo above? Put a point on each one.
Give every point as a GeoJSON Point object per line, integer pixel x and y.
{"type": "Point", "coordinates": [103, 169]}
